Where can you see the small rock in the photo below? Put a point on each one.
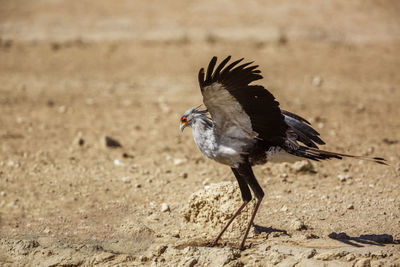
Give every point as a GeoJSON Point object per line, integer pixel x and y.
{"type": "Point", "coordinates": [46, 230]}
{"type": "Point", "coordinates": [350, 257]}
{"type": "Point", "coordinates": [311, 236]}
{"type": "Point", "coordinates": [111, 142]}
{"type": "Point", "coordinates": [206, 182]}
{"type": "Point", "coordinates": [297, 225]}
{"type": "Point", "coordinates": [10, 163]}
{"type": "Point", "coordinates": [275, 257]}
{"type": "Point", "coordinates": [126, 179]}
{"type": "Point", "coordinates": [164, 207]}
{"type": "Point", "coordinates": [143, 258]}
{"type": "Point", "coordinates": [184, 175]}
{"type": "Point", "coordinates": [127, 156]}
{"type": "Point", "coordinates": [344, 177]}
{"type": "Point", "coordinates": [79, 141]}
{"type": "Point", "coordinates": [157, 250]}
{"type": "Point", "coordinates": [308, 254]}
{"type": "Point", "coordinates": [350, 207]}
{"type": "Point", "coordinates": [360, 107]}
{"type": "Point", "coordinates": [117, 162]}
{"type": "Point", "coordinates": [62, 109]}
{"type": "Point", "coordinates": [284, 208]}
{"type": "Point", "coordinates": [176, 235]}
{"type": "Point", "coordinates": [138, 185]}
{"type": "Point", "coordinates": [303, 167]}
{"type": "Point", "coordinates": [317, 81]}
{"type": "Point", "coordinates": [178, 162]}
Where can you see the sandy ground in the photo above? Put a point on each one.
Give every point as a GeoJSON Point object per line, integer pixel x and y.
{"type": "Point", "coordinates": [72, 73]}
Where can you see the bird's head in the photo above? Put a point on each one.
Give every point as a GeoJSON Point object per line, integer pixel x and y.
{"type": "Point", "coordinates": [189, 117]}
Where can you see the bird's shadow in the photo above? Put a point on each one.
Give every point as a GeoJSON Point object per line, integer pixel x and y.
{"type": "Point", "coordinates": [262, 229]}
{"type": "Point", "coordinates": [360, 241]}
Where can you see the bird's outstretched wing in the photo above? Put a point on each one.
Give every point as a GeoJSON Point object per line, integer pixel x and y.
{"type": "Point", "coordinates": [238, 109]}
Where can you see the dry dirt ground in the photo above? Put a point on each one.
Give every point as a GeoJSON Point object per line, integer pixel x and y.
{"type": "Point", "coordinates": [74, 72]}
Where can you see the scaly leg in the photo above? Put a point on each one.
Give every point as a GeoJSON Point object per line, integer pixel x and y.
{"type": "Point", "coordinates": [250, 223]}
{"type": "Point", "coordinates": [246, 196]}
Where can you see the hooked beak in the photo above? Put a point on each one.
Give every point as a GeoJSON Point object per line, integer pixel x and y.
{"type": "Point", "coordinates": [183, 126]}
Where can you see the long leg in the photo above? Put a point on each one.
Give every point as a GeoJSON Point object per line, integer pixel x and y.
{"type": "Point", "coordinates": [250, 224]}
{"type": "Point", "coordinates": [246, 196]}
{"type": "Point", "coordinates": [246, 171]}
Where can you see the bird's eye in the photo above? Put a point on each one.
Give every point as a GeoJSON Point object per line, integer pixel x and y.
{"type": "Point", "coordinates": [184, 119]}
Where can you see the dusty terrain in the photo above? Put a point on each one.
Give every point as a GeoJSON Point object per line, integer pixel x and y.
{"type": "Point", "coordinates": [74, 72]}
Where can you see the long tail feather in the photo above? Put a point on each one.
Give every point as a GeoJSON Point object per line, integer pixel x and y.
{"type": "Point", "coordinates": [318, 154]}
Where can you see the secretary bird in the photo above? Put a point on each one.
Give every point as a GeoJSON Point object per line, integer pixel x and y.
{"type": "Point", "coordinates": [248, 128]}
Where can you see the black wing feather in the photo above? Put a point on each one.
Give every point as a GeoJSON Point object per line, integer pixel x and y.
{"type": "Point", "coordinates": [210, 68]}
{"type": "Point", "coordinates": [258, 103]}
{"type": "Point", "coordinates": [305, 133]}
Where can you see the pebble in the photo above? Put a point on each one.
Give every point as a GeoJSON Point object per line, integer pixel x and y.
{"type": "Point", "coordinates": [111, 142]}
{"type": "Point", "coordinates": [117, 162]}
{"type": "Point", "coordinates": [126, 179]}
{"type": "Point", "coordinates": [303, 167]}
{"type": "Point", "coordinates": [178, 162]}
{"type": "Point", "coordinates": [309, 253]}
{"type": "Point", "coordinates": [297, 225]}
{"type": "Point", "coordinates": [317, 81]}
{"type": "Point", "coordinates": [344, 177]}
{"type": "Point", "coordinates": [184, 175]}
{"type": "Point", "coordinates": [360, 107]}
{"type": "Point", "coordinates": [350, 207]}
{"type": "Point", "coordinates": [164, 207]}
{"type": "Point", "coordinates": [79, 141]}
{"type": "Point", "coordinates": [62, 109]}
{"type": "Point", "coordinates": [350, 257]}
{"type": "Point", "coordinates": [176, 235]}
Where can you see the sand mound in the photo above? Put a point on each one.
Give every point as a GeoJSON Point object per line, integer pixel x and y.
{"type": "Point", "coordinates": [209, 210]}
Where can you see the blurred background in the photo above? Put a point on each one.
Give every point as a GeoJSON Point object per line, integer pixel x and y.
{"type": "Point", "coordinates": [73, 72]}
{"type": "Point", "coordinates": [262, 21]}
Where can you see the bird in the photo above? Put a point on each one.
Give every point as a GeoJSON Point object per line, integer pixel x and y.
{"type": "Point", "coordinates": [243, 126]}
